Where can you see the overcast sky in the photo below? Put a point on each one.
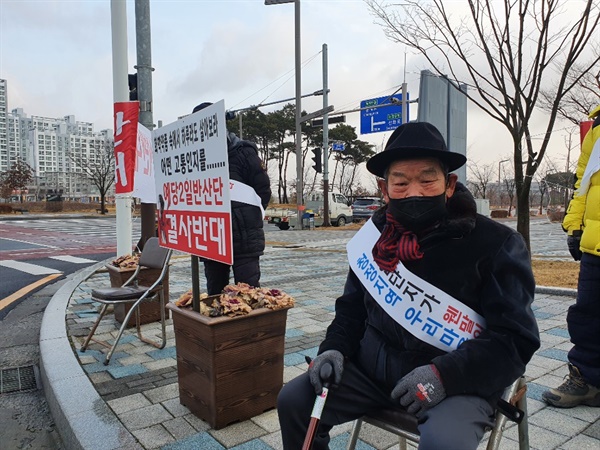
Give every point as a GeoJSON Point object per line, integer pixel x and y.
{"type": "Point", "coordinates": [57, 58]}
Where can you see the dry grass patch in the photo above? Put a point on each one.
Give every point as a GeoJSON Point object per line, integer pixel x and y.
{"type": "Point", "coordinates": [556, 273]}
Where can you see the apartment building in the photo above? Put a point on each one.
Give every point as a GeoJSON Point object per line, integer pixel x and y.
{"type": "Point", "coordinates": [58, 150]}
{"type": "Point", "coordinates": [3, 126]}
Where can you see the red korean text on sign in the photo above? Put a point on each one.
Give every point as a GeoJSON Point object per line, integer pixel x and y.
{"type": "Point", "coordinates": [204, 234]}
{"type": "Point", "coordinates": [195, 192]}
{"type": "Point", "coordinates": [125, 126]}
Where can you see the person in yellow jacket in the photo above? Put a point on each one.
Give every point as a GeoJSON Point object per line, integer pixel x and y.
{"type": "Point", "coordinates": [582, 223]}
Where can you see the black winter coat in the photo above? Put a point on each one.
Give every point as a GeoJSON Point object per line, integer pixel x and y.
{"type": "Point", "coordinates": [247, 221]}
{"type": "Point", "coordinates": [481, 263]}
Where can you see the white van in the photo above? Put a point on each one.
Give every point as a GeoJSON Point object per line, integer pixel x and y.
{"type": "Point", "coordinates": [340, 212]}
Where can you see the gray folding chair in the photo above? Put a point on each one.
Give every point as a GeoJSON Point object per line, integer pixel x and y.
{"type": "Point", "coordinates": [153, 257]}
{"type": "Point", "coordinates": [404, 424]}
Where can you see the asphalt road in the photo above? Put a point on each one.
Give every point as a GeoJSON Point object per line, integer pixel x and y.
{"type": "Point", "coordinates": [36, 257]}
{"type": "Point", "coordinates": [35, 252]}
{"type": "Point", "coordinates": [50, 245]}
{"type": "Point", "coordinates": [25, 420]}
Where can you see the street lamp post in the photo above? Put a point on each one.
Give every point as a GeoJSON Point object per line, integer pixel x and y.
{"type": "Point", "coordinates": [299, 172]}
{"type": "Point", "coordinates": [499, 189]}
{"type": "Point", "coordinates": [499, 165]}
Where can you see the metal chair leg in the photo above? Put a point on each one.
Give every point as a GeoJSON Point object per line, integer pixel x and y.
{"type": "Point", "coordinates": [163, 342]}
{"type": "Point", "coordinates": [93, 330]}
{"type": "Point", "coordinates": [524, 425]}
{"type": "Point", "coordinates": [135, 308]}
{"type": "Point", "coordinates": [402, 443]}
{"type": "Point", "coordinates": [354, 434]}
{"type": "Point", "coordinates": [517, 390]}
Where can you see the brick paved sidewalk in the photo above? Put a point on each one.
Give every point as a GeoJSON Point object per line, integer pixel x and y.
{"type": "Point", "coordinates": [140, 384]}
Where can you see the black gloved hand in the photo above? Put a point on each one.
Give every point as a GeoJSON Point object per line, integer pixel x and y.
{"type": "Point", "coordinates": [420, 390]}
{"type": "Point", "coordinates": [332, 357]}
{"type": "Point", "coordinates": [573, 243]}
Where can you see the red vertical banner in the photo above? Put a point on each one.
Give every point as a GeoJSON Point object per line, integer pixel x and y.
{"type": "Point", "coordinates": [584, 127]}
{"type": "Point", "coordinates": [125, 126]}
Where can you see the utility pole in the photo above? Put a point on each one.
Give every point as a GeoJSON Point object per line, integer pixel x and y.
{"type": "Point", "coordinates": [144, 79]}
{"type": "Point", "coordinates": [404, 103]}
{"type": "Point", "coordinates": [118, 18]}
{"type": "Point", "coordinates": [567, 197]}
{"type": "Point", "coordinates": [325, 152]}
{"type": "Point", "coordinates": [298, 67]}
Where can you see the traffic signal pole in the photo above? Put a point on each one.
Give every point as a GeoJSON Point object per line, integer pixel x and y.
{"type": "Point", "coordinates": [326, 222]}
{"type": "Point", "coordinates": [144, 77]}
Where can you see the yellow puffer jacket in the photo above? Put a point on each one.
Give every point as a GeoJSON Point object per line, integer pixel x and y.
{"type": "Point", "coordinates": [584, 210]}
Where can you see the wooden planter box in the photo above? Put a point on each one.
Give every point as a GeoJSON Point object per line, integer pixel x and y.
{"type": "Point", "coordinates": [149, 311]}
{"type": "Point", "coordinates": [229, 368]}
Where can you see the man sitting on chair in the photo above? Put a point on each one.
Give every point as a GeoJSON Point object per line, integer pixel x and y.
{"type": "Point", "coordinates": [435, 317]}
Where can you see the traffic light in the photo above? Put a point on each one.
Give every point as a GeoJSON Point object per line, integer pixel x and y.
{"type": "Point", "coordinates": [133, 93]}
{"type": "Point", "coordinates": [317, 159]}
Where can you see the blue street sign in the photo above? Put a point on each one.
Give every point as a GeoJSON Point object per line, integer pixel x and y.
{"type": "Point", "coordinates": [378, 118]}
{"type": "Point", "coordinates": [337, 147]}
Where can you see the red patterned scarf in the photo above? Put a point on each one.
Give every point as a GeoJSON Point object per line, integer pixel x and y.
{"type": "Point", "coordinates": [396, 243]}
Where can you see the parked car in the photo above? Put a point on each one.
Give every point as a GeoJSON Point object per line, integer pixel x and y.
{"type": "Point", "coordinates": [363, 208]}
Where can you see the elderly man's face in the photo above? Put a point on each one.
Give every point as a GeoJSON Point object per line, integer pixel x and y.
{"type": "Point", "coordinates": [417, 178]}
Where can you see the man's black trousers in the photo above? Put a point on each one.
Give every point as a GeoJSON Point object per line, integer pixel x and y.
{"type": "Point", "coordinates": [245, 270]}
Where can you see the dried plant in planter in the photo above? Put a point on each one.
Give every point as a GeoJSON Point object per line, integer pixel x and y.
{"type": "Point", "coordinates": [238, 299]}
{"type": "Point", "coordinates": [126, 261]}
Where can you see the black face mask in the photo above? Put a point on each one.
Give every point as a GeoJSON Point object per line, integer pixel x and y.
{"type": "Point", "coordinates": [418, 213]}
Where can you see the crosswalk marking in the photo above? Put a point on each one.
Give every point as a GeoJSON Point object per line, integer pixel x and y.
{"type": "Point", "coordinates": [100, 228]}
{"type": "Point", "coordinates": [73, 259]}
{"type": "Point", "coordinates": [32, 269]}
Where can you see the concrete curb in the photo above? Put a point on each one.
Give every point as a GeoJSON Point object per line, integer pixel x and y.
{"type": "Point", "coordinates": [549, 290]}
{"type": "Point", "coordinates": [83, 418]}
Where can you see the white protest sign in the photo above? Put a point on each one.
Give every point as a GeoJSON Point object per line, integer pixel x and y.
{"type": "Point", "coordinates": [144, 183]}
{"type": "Point", "coordinates": [192, 185]}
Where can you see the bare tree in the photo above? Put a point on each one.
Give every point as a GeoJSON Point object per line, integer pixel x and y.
{"type": "Point", "coordinates": [99, 168]}
{"type": "Point", "coordinates": [581, 100]}
{"type": "Point", "coordinates": [508, 51]}
{"type": "Point", "coordinates": [16, 178]}
{"type": "Point", "coordinates": [481, 177]}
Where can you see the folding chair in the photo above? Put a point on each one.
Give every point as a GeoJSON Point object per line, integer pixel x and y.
{"type": "Point", "coordinates": [404, 424]}
{"type": "Point", "coordinates": [153, 257]}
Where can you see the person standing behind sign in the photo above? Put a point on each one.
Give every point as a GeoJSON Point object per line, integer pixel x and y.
{"type": "Point", "coordinates": [245, 167]}
{"type": "Point", "coordinates": [582, 223]}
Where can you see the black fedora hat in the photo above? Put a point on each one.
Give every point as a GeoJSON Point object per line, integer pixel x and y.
{"type": "Point", "coordinates": [414, 140]}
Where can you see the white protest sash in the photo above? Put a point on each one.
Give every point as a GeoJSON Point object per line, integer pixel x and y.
{"type": "Point", "coordinates": [425, 311]}
{"type": "Point", "coordinates": [592, 167]}
{"type": "Point", "coordinates": [241, 192]}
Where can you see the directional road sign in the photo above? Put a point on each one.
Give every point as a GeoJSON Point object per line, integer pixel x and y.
{"type": "Point", "coordinates": [380, 114]}
{"type": "Point", "coordinates": [337, 147]}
